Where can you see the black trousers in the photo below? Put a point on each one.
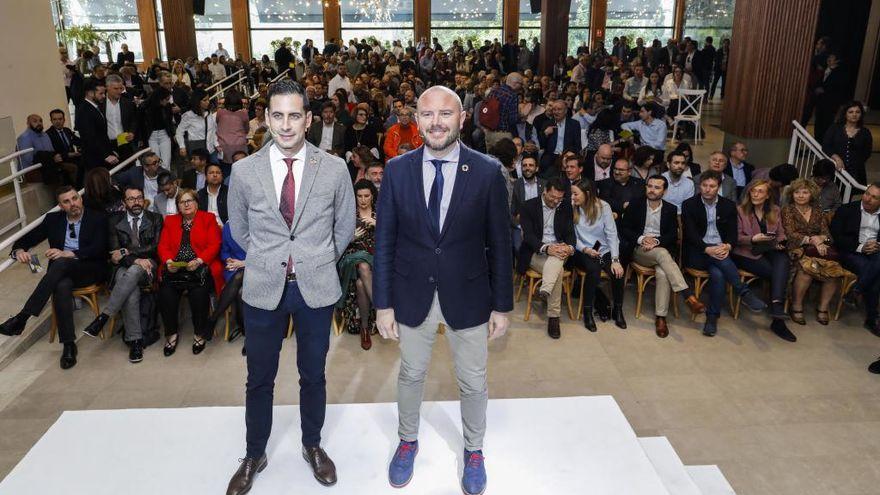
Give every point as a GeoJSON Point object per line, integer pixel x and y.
{"type": "Point", "coordinates": [773, 266]}
{"type": "Point", "coordinates": [593, 269]}
{"type": "Point", "coordinates": [199, 304]}
{"type": "Point", "coordinates": [230, 295]}
{"type": "Point", "coordinates": [62, 276]}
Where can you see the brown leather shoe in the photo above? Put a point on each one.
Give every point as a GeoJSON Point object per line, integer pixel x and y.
{"type": "Point", "coordinates": [366, 342]}
{"type": "Point", "coordinates": [696, 306]}
{"type": "Point", "coordinates": [243, 479]}
{"type": "Point", "coordinates": [660, 326]}
{"type": "Point", "coordinates": [322, 467]}
{"type": "Point", "coordinates": [553, 328]}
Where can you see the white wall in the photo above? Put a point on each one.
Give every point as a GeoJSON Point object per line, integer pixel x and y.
{"type": "Point", "coordinates": [30, 72]}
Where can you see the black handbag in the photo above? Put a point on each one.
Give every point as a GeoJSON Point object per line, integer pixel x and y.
{"type": "Point", "coordinates": [185, 279]}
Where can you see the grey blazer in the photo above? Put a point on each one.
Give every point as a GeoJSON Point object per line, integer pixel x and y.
{"type": "Point", "coordinates": [323, 225]}
{"type": "Point", "coordinates": [159, 204]}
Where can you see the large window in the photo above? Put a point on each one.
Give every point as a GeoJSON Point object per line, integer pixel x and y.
{"type": "Point", "coordinates": [475, 20]}
{"type": "Point", "coordinates": [704, 18]}
{"type": "Point", "coordinates": [106, 16]}
{"type": "Point", "coordinates": [386, 21]}
{"type": "Point", "coordinates": [273, 20]}
{"type": "Point", "coordinates": [214, 27]}
{"type": "Point", "coordinates": [646, 19]}
{"type": "Point", "coordinates": [578, 24]}
{"type": "Point", "coordinates": [529, 23]}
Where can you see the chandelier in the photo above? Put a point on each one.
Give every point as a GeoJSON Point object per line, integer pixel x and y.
{"type": "Point", "coordinates": [376, 10]}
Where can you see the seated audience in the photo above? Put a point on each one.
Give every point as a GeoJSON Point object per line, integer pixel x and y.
{"type": "Point", "coordinates": [100, 194]}
{"type": "Point", "coordinates": [189, 250]}
{"type": "Point", "coordinates": [405, 131]}
{"type": "Point", "coordinates": [375, 172]}
{"type": "Point", "coordinates": [233, 258]}
{"type": "Point", "coordinates": [597, 250]}
{"type": "Point", "coordinates": [828, 197]}
{"type": "Point", "coordinates": [854, 228]}
{"type": "Point", "coordinates": [356, 268]}
{"type": "Point", "coordinates": [44, 152]}
{"type": "Point", "coordinates": [164, 202]}
{"type": "Point", "coordinates": [717, 164]}
{"type": "Point", "coordinates": [761, 248]}
{"type": "Point", "coordinates": [649, 236]}
{"type": "Point", "coordinates": [738, 168]}
{"type": "Point", "coordinates": [66, 144]}
{"type": "Point", "coordinates": [710, 232]}
{"type": "Point", "coordinates": [77, 257]}
{"type": "Point", "coordinates": [328, 134]}
{"type": "Point", "coordinates": [809, 245]}
{"type": "Point", "coordinates": [212, 198]}
{"type": "Point", "coordinates": [621, 189]}
{"type": "Point", "coordinates": [361, 132]}
{"type": "Point", "coordinates": [645, 163]}
{"type": "Point", "coordinates": [548, 242]}
{"type": "Point", "coordinates": [650, 126]}
{"type": "Point", "coordinates": [194, 178]}
{"type": "Point", "coordinates": [145, 177]}
{"type": "Point", "coordinates": [360, 159]}
{"type": "Point", "coordinates": [678, 176]}
{"type": "Point", "coordinates": [560, 134]}
{"type": "Point", "coordinates": [597, 164]}
{"type": "Point", "coordinates": [685, 147]}
{"type": "Point", "coordinates": [133, 239]}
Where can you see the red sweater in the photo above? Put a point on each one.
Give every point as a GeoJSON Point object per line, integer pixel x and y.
{"type": "Point", "coordinates": [205, 238]}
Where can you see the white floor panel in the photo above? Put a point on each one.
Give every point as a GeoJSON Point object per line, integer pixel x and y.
{"type": "Point", "coordinates": [710, 480]}
{"type": "Point", "coordinates": [668, 465]}
{"type": "Point", "coordinates": [533, 446]}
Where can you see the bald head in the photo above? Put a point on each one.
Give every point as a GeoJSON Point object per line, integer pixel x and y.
{"type": "Point", "coordinates": [439, 92]}
{"type": "Point", "coordinates": [604, 155]}
{"type": "Point", "coordinates": [440, 117]}
{"type": "Point", "coordinates": [35, 122]}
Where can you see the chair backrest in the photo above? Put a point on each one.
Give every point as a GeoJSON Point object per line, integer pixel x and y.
{"type": "Point", "coordinates": [690, 101]}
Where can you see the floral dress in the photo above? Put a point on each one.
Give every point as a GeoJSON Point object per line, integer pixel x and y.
{"type": "Point", "coordinates": [360, 250]}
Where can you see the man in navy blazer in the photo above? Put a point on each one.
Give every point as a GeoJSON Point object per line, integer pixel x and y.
{"type": "Point", "coordinates": [556, 137]}
{"type": "Point", "coordinates": [77, 257]}
{"type": "Point", "coordinates": [443, 255]}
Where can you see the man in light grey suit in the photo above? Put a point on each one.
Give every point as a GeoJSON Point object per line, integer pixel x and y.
{"type": "Point", "coordinates": [164, 202]}
{"type": "Point", "coordinates": [291, 207]}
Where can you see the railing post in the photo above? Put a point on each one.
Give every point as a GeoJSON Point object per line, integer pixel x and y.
{"type": "Point", "coordinates": [16, 185]}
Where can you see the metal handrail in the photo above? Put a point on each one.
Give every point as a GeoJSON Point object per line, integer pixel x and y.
{"type": "Point", "coordinates": [274, 79]}
{"type": "Point", "coordinates": [20, 173]}
{"type": "Point", "coordinates": [221, 81]}
{"type": "Point", "coordinates": [222, 90]}
{"type": "Point", "coordinates": [31, 226]}
{"type": "Point", "coordinates": [800, 134]}
{"type": "Point", "coordinates": [16, 154]}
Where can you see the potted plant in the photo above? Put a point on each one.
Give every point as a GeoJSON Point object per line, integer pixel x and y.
{"type": "Point", "coordinates": [85, 36]}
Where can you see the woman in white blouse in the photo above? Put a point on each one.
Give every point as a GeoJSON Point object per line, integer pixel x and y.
{"type": "Point", "coordinates": [597, 250]}
{"type": "Point", "coordinates": [198, 126]}
{"type": "Point", "coordinates": [671, 88]}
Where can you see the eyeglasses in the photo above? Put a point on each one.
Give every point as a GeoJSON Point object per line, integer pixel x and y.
{"type": "Point", "coordinates": [134, 200]}
{"type": "Point", "coordinates": [71, 231]}
{"type": "Point", "coordinates": [186, 202]}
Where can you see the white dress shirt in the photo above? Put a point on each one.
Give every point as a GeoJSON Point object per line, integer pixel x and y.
{"type": "Point", "coordinates": [212, 202]}
{"type": "Point", "coordinates": [530, 188]}
{"type": "Point", "coordinates": [450, 168]}
{"type": "Point", "coordinates": [279, 169]}
{"type": "Point", "coordinates": [326, 137]}
{"type": "Point", "coordinates": [868, 228]}
{"type": "Point", "coordinates": [548, 233]}
{"type": "Point", "coordinates": [151, 186]}
{"type": "Point", "coordinates": [114, 119]}
{"type": "Point", "coordinates": [652, 222]}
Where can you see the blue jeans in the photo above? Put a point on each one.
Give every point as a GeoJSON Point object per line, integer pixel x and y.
{"type": "Point", "coordinates": [265, 333]}
{"type": "Point", "coordinates": [720, 272]}
{"type": "Point", "coordinates": [867, 268]}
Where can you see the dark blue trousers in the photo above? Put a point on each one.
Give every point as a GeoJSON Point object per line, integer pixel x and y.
{"type": "Point", "coordinates": [265, 333]}
{"type": "Point", "coordinates": [720, 272]}
{"type": "Point", "coordinates": [867, 268]}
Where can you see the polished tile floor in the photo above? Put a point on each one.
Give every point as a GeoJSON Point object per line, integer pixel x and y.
{"type": "Point", "coordinates": [778, 418]}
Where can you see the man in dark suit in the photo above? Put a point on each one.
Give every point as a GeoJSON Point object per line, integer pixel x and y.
{"type": "Point", "coordinates": [64, 142]}
{"type": "Point", "coordinates": [710, 232]}
{"type": "Point", "coordinates": [855, 228]}
{"type": "Point", "coordinates": [443, 255]}
{"type": "Point", "coordinates": [621, 189]}
{"type": "Point", "coordinates": [738, 168]}
{"type": "Point", "coordinates": [648, 233]}
{"type": "Point", "coordinates": [194, 178]}
{"type": "Point", "coordinates": [144, 177]}
{"type": "Point", "coordinates": [212, 197]}
{"type": "Point", "coordinates": [597, 164]}
{"type": "Point", "coordinates": [328, 134]}
{"type": "Point", "coordinates": [124, 56]}
{"type": "Point", "coordinates": [527, 187]}
{"type": "Point", "coordinates": [548, 241]}
{"type": "Point", "coordinates": [120, 113]}
{"type": "Point", "coordinates": [92, 128]}
{"type": "Point", "coordinates": [77, 258]}
{"type": "Point", "coordinates": [557, 136]}
{"type": "Point", "coordinates": [308, 51]}
{"type": "Point", "coordinates": [133, 237]}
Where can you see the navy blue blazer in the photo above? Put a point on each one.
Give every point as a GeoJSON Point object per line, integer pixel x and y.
{"type": "Point", "coordinates": [469, 262]}
{"type": "Point", "coordinates": [92, 235]}
{"type": "Point", "coordinates": [571, 141]}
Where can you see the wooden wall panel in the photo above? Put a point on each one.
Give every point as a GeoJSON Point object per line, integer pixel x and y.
{"type": "Point", "coordinates": [510, 20]}
{"type": "Point", "coordinates": [180, 29]}
{"type": "Point", "coordinates": [332, 20]}
{"type": "Point", "coordinates": [768, 67]}
{"type": "Point", "coordinates": [598, 18]}
{"type": "Point", "coordinates": [554, 33]}
{"type": "Point", "coordinates": [241, 29]}
{"type": "Point", "coordinates": [421, 21]}
{"type": "Point", "coordinates": [678, 19]}
{"type": "Point", "coordinates": [146, 11]}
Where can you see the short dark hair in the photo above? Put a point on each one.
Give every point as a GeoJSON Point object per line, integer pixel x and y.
{"type": "Point", "coordinates": [92, 84]}
{"type": "Point", "coordinates": [505, 151]}
{"type": "Point", "coordinates": [328, 104]}
{"type": "Point", "coordinates": [63, 190]}
{"type": "Point", "coordinates": [674, 153]}
{"type": "Point", "coordinates": [824, 169]}
{"type": "Point", "coordinates": [710, 175]}
{"type": "Point", "coordinates": [784, 173]}
{"type": "Point", "coordinates": [164, 177]}
{"type": "Point", "coordinates": [660, 178]}
{"type": "Point", "coordinates": [554, 183]}
{"type": "Point", "coordinates": [209, 165]}
{"type": "Point", "coordinates": [530, 154]}
{"type": "Point", "coordinates": [57, 110]}
{"type": "Point", "coordinates": [201, 153]}
{"type": "Point", "coordinates": [375, 164]}
{"type": "Point", "coordinates": [287, 87]}
{"type": "Point", "coordinates": [131, 188]}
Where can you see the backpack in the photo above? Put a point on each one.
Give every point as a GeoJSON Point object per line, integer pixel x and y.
{"type": "Point", "coordinates": [490, 113]}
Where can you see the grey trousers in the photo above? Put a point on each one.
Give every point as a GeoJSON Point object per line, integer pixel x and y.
{"type": "Point", "coordinates": [126, 296]}
{"type": "Point", "coordinates": [470, 353]}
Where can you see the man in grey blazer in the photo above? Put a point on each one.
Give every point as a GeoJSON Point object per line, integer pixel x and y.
{"type": "Point", "coordinates": [163, 203]}
{"type": "Point", "coordinates": [291, 207]}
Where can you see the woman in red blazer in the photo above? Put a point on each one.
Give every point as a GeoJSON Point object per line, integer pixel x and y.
{"type": "Point", "coordinates": [189, 256]}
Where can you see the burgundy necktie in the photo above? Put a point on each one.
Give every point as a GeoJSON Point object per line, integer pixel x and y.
{"type": "Point", "coordinates": [287, 202]}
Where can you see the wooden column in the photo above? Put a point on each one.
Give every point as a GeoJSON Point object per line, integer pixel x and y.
{"type": "Point", "coordinates": [332, 20]}
{"type": "Point", "coordinates": [241, 29]}
{"type": "Point", "coordinates": [678, 20]}
{"type": "Point", "coordinates": [554, 33]}
{"type": "Point", "coordinates": [146, 10]}
{"type": "Point", "coordinates": [421, 21]}
{"type": "Point", "coordinates": [598, 19]}
{"type": "Point", "coordinates": [180, 29]}
{"type": "Point", "coordinates": [510, 20]}
{"type": "Point", "coordinates": [760, 102]}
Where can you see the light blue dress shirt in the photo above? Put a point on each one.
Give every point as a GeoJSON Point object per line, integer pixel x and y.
{"type": "Point", "coordinates": [739, 174]}
{"type": "Point", "coordinates": [712, 236]}
{"type": "Point", "coordinates": [31, 139]}
{"type": "Point", "coordinates": [603, 230]}
{"type": "Point", "coordinates": [679, 191]}
{"type": "Point", "coordinates": [450, 168]}
{"type": "Point", "coordinates": [653, 134]}
{"type": "Point", "coordinates": [560, 137]}
{"type": "Point", "coordinates": [72, 244]}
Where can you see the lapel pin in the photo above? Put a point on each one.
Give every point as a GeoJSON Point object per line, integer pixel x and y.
{"type": "Point", "coordinates": [313, 161]}
{"type": "Point", "coordinates": [464, 168]}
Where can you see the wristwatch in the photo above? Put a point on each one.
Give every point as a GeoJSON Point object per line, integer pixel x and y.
{"type": "Point", "coordinates": [615, 260]}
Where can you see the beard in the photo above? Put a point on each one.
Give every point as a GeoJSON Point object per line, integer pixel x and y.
{"type": "Point", "coordinates": [37, 128]}
{"type": "Point", "coordinates": [451, 137]}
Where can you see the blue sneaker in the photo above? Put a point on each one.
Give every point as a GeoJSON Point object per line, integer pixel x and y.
{"type": "Point", "coordinates": [473, 480]}
{"type": "Point", "coordinates": [400, 472]}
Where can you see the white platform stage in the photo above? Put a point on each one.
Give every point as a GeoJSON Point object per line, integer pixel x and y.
{"type": "Point", "coordinates": [573, 445]}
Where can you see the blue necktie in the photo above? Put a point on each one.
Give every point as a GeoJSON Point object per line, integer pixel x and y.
{"type": "Point", "coordinates": [436, 193]}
